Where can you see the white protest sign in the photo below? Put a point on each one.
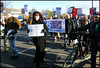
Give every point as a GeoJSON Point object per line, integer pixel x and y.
{"type": "Point", "coordinates": [35, 30]}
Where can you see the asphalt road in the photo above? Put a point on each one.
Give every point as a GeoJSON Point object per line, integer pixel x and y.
{"type": "Point", "coordinates": [55, 54]}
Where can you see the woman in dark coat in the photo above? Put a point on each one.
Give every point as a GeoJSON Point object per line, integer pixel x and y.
{"type": "Point", "coordinates": [40, 42]}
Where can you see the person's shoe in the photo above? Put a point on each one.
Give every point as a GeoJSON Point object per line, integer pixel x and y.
{"type": "Point", "coordinates": [5, 47]}
{"type": "Point", "coordinates": [58, 39]}
{"type": "Point", "coordinates": [44, 59]}
{"type": "Point", "coordinates": [5, 51]}
{"type": "Point", "coordinates": [70, 61]}
{"type": "Point", "coordinates": [14, 57]}
{"type": "Point", "coordinates": [70, 44]}
{"type": "Point", "coordinates": [41, 61]}
{"type": "Point", "coordinates": [34, 61]}
{"type": "Point", "coordinates": [55, 41]}
{"type": "Point", "coordinates": [30, 41]}
{"type": "Point", "coordinates": [64, 47]}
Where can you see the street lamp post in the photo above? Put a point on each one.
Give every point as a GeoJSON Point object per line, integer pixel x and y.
{"type": "Point", "coordinates": [1, 4]}
{"type": "Point", "coordinates": [67, 8]}
{"type": "Point", "coordinates": [92, 3]}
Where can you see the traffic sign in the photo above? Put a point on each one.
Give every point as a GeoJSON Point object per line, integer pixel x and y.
{"type": "Point", "coordinates": [25, 7]}
{"type": "Point", "coordinates": [23, 11]}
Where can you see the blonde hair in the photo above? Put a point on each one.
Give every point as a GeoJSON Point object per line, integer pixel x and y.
{"type": "Point", "coordinates": [67, 16]}
{"type": "Point", "coordinates": [50, 17]}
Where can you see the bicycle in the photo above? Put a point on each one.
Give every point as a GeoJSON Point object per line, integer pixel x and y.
{"type": "Point", "coordinates": [79, 50]}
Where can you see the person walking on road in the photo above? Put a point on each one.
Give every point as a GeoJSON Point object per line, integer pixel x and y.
{"type": "Point", "coordinates": [12, 25]}
{"type": "Point", "coordinates": [40, 41]}
{"type": "Point", "coordinates": [28, 23]}
{"type": "Point", "coordinates": [56, 34]}
{"type": "Point", "coordinates": [29, 19]}
{"type": "Point", "coordinates": [69, 25]}
{"type": "Point", "coordinates": [51, 33]}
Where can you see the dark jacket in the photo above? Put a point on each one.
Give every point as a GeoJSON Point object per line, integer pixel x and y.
{"type": "Point", "coordinates": [76, 23]}
{"type": "Point", "coordinates": [69, 25]}
{"type": "Point", "coordinates": [12, 23]}
{"type": "Point", "coordinates": [29, 19]}
{"type": "Point", "coordinates": [93, 32]}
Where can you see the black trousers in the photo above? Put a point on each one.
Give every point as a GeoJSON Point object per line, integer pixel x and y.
{"type": "Point", "coordinates": [94, 48]}
{"type": "Point", "coordinates": [40, 44]}
{"type": "Point", "coordinates": [39, 54]}
{"type": "Point", "coordinates": [51, 34]}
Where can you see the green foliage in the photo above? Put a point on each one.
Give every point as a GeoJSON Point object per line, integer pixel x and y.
{"type": "Point", "coordinates": [51, 14]}
{"type": "Point", "coordinates": [72, 7]}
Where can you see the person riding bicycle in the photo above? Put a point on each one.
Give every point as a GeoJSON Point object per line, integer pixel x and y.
{"type": "Point", "coordinates": [94, 34]}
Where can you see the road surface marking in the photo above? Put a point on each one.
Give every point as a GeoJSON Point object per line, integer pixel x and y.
{"type": "Point", "coordinates": [26, 49]}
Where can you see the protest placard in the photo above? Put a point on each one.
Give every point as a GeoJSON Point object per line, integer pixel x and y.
{"type": "Point", "coordinates": [56, 25]}
{"type": "Point", "coordinates": [58, 10]}
{"type": "Point", "coordinates": [35, 30]}
{"type": "Point", "coordinates": [74, 12]}
{"type": "Point", "coordinates": [79, 11]}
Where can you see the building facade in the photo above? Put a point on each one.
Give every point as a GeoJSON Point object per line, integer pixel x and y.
{"type": "Point", "coordinates": [15, 12]}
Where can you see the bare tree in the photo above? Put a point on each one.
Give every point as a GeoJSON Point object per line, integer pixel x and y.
{"type": "Point", "coordinates": [33, 10]}
{"type": "Point", "coordinates": [53, 10]}
{"type": "Point", "coordinates": [7, 4]}
{"type": "Point", "coordinates": [43, 12]}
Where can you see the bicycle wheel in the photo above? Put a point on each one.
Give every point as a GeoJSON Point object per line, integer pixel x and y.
{"type": "Point", "coordinates": [87, 52]}
{"type": "Point", "coordinates": [70, 58]}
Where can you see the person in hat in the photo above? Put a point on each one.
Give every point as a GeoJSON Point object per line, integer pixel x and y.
{"type": "Point", "coordinates": [29, 19]}
{"type": "Point", "coordinates": [5, 36]}
{"type": "Point", "coordinates": [13, 25]}
{"type": "Point", "coordinates": [94, 34]}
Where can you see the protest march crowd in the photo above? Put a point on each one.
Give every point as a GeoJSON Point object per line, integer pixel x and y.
{"type": "Point", "coordinates": [89, 24]}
